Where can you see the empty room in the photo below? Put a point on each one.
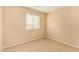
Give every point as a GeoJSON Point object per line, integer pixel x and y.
{"type": "Point", "coordinates": [39, 28]}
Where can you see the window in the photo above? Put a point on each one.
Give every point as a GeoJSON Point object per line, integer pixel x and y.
{"type": "Point", "coordinates": [36, 22]}
{"type": "Point", "coordinates": [29, 21]}
{"type": "Point", "coordinates": [32, 21]}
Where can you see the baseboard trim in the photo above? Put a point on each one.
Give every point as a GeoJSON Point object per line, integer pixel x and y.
{"type": "Point", "coordinates": [41, 37]}
{"type": "Point", "coordinates": [18, 43]}
{"type": "Point", "coordinates": [73, 45]}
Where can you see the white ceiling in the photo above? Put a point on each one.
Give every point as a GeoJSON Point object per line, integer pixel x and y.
{"type": "Point", "coordinates": [45, 9]}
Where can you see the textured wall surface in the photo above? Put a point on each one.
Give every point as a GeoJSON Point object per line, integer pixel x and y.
{"type": "Point", "coordinates": [15, 27]}
{"type": "Point", "coordinates": [63, 25]}
{"type": "Point", "coordinates": [1, 29]}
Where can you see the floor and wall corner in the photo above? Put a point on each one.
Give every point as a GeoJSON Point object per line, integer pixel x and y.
{"type": "Point", "coordinates": [58, 30]}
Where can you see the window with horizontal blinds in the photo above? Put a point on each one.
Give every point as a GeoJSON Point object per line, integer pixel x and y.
{"type": "Point", "coordinates": [32, 21]}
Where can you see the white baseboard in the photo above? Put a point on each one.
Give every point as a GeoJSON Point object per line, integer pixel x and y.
{"type": "Point", "coordinates": [22, 42]}
{"type": "Point", "coordinates": [40, 37]}
{"type": "Point", "coordinates": [73, 45]}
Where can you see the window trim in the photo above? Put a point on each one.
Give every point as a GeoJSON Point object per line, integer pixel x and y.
{"type": "Point", "coordinates": [33, 21]}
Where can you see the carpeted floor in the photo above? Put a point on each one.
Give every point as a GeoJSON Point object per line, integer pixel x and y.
{"type": "Point", "coordinates": [42, 45]}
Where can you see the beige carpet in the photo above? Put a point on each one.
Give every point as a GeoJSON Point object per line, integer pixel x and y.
{"type": "Point", "coordinates": [42, 45]}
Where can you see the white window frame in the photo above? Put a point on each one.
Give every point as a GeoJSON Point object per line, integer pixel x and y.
{"type": "Point", "coordinates": [33, 25]}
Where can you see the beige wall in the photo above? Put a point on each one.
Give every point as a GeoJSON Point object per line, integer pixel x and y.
{"type": "Point", "coordinates": [63, 25]}
{"type": "Point", "coordinates": [15, 28]}
{"type": "Point", "coordinates": [1, 29]}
